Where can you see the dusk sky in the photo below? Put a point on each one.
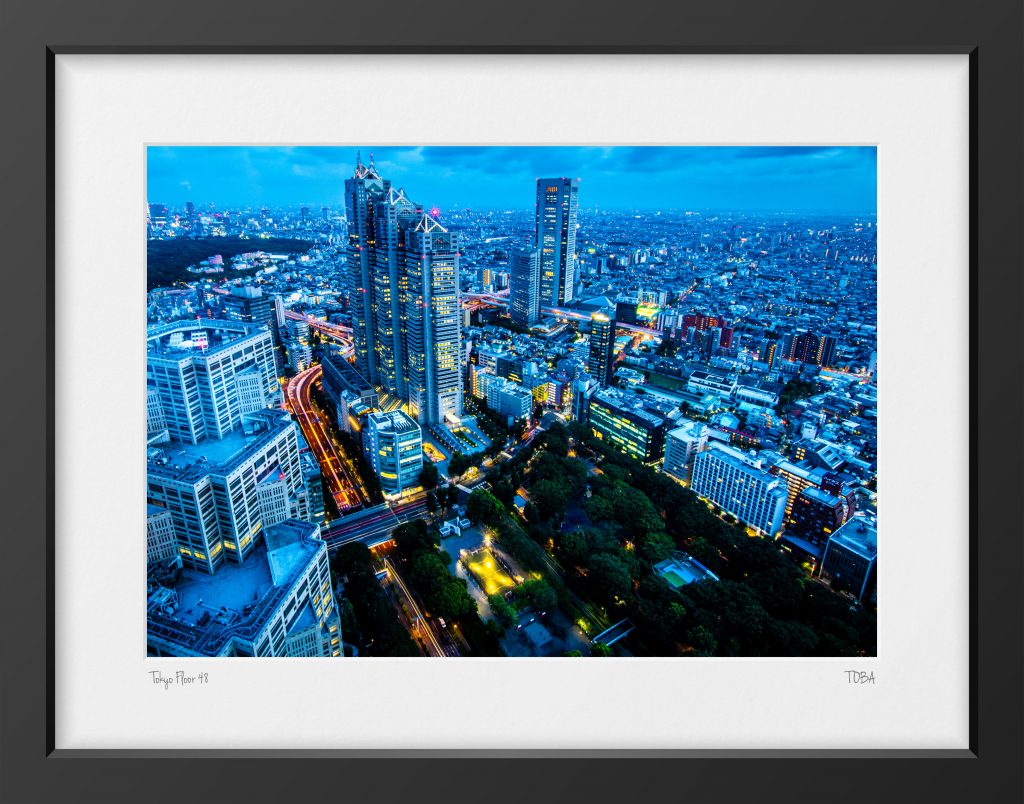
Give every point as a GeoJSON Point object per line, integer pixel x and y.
{"type": "Point", "coordinates": [825, 179]}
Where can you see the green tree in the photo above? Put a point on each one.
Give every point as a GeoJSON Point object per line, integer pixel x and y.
{"type": "Point", "coordinates": [535, 593]}
{"type": "Point", "coordinates": [458, 464]}
{"type": "Point", "coordinates": [483, 508]}
{"type": "Point", "coordinates": [655, 546]}
{"type": "Point", "coordinates": [572, 547]}
{"type": "Point", "coordinates": [600, 649]}
{"type": "Point", "coordinates": [609, 577]}
{"type": "Point", "coordinates": [502, 611]}
{"type": "Point", "coordinates": [428, 476]}
{"type": "Point", "coordinates": [702, 640]}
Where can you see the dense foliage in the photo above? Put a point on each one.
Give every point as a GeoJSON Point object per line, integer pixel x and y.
{"type": "Point", "coordinates": [368, 618]}
{"type": "Point", "coordinates": [425, 567]}
{"type": "Point", "coordinates": [168, 261]}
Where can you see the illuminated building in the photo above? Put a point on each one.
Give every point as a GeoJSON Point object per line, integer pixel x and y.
{"type": "Point", "coordinates": [209, 374]}
{"type": "Point", "coordinates": [556, 238]}
{"type": "Point", "coordinates": [797, 476]}
{"type": "Point", "coordinates": [851, 557]}
{"type": "Point", "coordinates": [221, 492]}
{"type": "Point", "coordinates": [434, 323]}
{"type": "Point", "coordinates": [524, 292]}
{"type": "Point", "coordinates": [815, 515]}
{"type": "Point", "coordinates": [738, 485]}
{"type": "Point", "coordinates": [394, 215]}
{"type": "Point", "coordinates": [161, 543]}
{"type": "Point", "coordinates": [393, 443]}
{"type": "Point", "coordinates": [509, 399]}
{"type": "Point", "coordinates": [629, 423]}
{"type": "Point", "coordinates": [681, 446]}
{"type": "Point", "coordinates": [279, 604]}
{"type": "Point", "coordinates": [602, 347]}
{"type": "Point", "coordinates": [248, 304]}
{"type": "Point", "coordinates": [807, 347]}
{"type": "Point", "coordinates": [362, 192]}
{"type": "Point", "coordinates": [407, 319]}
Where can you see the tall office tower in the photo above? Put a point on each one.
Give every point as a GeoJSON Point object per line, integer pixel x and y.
{"type": "Point", "coordinates": [393, 216]}
{"type": "Point", "coordinates": [602, 346]}
{"type": "Point", "coordinates": [433, 322]}
{"type": "Point", "coordinates": [208, 374]}
{"type": "Point", "coordinates": [524, 292]}
{"type": "Point", "coordinates": [362, 192]}
{"type": "Point", "coordinates": [556, 239]}
{"type": "Point", "coordinates": [393, 444]}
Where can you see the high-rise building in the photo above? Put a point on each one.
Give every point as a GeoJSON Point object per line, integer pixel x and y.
{"type": "Point", "coordinates": [248, 304]}
{"type": "Point", "coordinates": [434, 323]}
{"type": "Point", "coordinates": [737, 484]}
{"type": "Point", "coordinates": [524, 292]}
{"type": "Point", "coordinates": [602, 347]}
{"type": "Point", "coordinates": [362, 192]}
{"type": "Point", "coordinates": [161, 543]}
{"type": "Point", "coordinates": [407, 318]}
{"type": "Point", "coordinates": [280, 604]}
{"type": "Point", "coordinates": [393, 443]}
{"type": "Point", "coordinates": [808, 347]}
{"type": "Point", "coordinates": [393, 217]}
{"type": "Point", "coordinates": [815, 515]}
{"type": "Point", "coordinates": [208, 374]}
{"type": "Point", "coordinates": [556, 238]}
{"type": "Point", "coordinates": [222, 492]}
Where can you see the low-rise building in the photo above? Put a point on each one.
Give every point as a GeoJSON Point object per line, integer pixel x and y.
{"type": "Point", "coordinates": [738, 484]}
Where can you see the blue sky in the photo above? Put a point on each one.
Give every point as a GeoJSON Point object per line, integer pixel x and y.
{"type": "Point", "coordinates": [804, 178]}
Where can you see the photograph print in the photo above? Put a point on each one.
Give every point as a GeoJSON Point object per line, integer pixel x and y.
{"type": "Point", "coordinates": [515, 401]}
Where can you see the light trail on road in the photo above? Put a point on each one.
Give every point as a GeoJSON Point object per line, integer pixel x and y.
{"type": "Point", "coordinates": [424, 625]}
{"type": "Point", "coordinates": [339, 483]}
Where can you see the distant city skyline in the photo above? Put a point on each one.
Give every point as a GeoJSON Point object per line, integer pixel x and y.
{"type": "Point", "coordinates": [826, 179]}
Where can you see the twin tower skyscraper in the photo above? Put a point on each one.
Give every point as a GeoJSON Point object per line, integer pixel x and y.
{"type": "Point", "coordinates": [407, 317]}
{"type": "Point", "coordinates": [543, 274]}
{"type": "Point", "coordinates": [406, 307]}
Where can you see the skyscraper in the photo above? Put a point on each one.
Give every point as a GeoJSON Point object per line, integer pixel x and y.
{"type": "Point", "coordinates": [556, 239]}
{"type": "Point", "coordinates": [362, 192]}
{"type": "Point", "coordinates": [524, 292]}
{"type": "Point", "coordinates": [393, 215]}
{"type": "Point", "coordinates": [404, 270]}
{"type": "Point", "coordinates": [602, 346]}
{"type": "Point", "coordinates": [433, 323]}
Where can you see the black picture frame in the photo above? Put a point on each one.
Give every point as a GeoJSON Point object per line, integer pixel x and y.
{"type": "Point", "coordinates": [33, 32]}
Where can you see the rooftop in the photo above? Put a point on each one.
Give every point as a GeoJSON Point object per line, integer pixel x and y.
{"type": "Point", "coordinates": [859, 535]}
{"type": "Point", "coordinates": [681, 569]}
{"type": "Point", "coordinates": [239, 599]}
{"type": "Point", "coordinates": [199, 337]}
{"type": "Point", "coordinates": [182, 461]}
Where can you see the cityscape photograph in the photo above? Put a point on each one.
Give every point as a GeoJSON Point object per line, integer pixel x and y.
{"type": "Point", "coordinates": [511, 401]}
